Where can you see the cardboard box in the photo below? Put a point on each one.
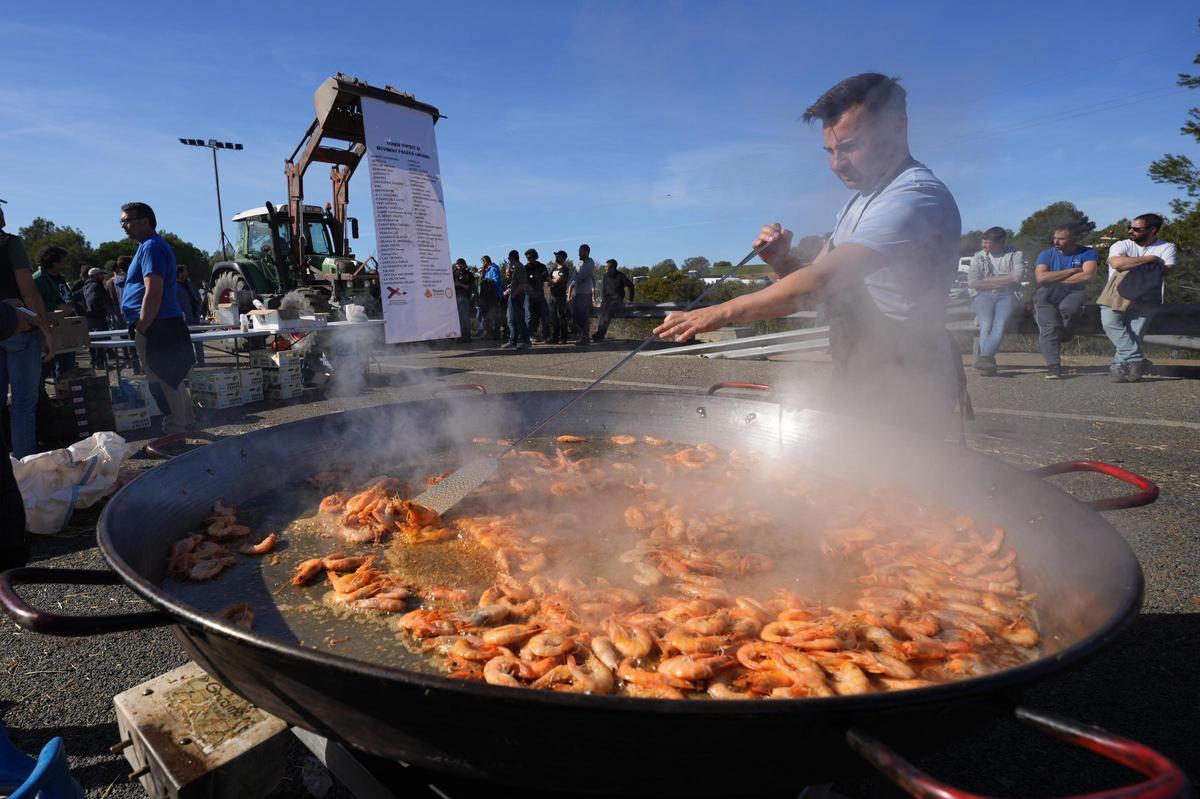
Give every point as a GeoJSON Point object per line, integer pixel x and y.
{"type": "Point", "coordinates": [228, 314]}
{"type": "Point", "coordinates": [217, 401]}
{"type": "Point", "coordinates": [68, 332]}
{"type": "Point", "coordinates": [275, 319]}
{"type": "Point", "coordinates": [252, 394]}
{"type": "Point", "coordinates": [127, 418]}
{"type": "Point", "coordinates": [214, 379]}
{"type": "Point", "coordinates": [268, 359]}
{"type": "Point", "coordinates": [251, 377]}
{"type": "Point", "coordinates": [143, 389]}
{"type": "Point", "coordinates": [281, 377]}
{"type": "Point", "coordinates": [282, 392]}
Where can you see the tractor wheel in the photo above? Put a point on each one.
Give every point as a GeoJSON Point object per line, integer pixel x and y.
{"type": "Point", "coordinates": [229, 287]}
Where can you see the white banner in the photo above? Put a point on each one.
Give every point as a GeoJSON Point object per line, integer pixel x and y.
{"type": "Point", "coordinates": [415, 279]}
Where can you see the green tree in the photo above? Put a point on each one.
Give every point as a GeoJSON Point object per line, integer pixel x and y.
{"type": "Point", "coordinates": [185, 253]}
{"type": "Point", "coordinates": [111, 250]}
{"type": "Point", "coordinates": [663, 268]}
{"type": "Point", "coordinates": [41, 232]}
{"type": "Point", "coordinates": [1184, 228]}
{"type": "Point", "coordinates": [671, 286]}
{"type": "Point", "coordinates": [1037, 231]}
{"type": "Point", "coordinates": [698, 263]}
{"type": "Point", "coordinates": [721, 267]}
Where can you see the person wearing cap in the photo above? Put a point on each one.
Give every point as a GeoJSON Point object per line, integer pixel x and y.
{"type": "Point", "coordinates": [537, 314]}
{"type": "Point", "coordinates": [95, 301]}
{"type": "Point", "coordinates": [561, 274]}
{"type": "Point", "coordinates": [517, 291]}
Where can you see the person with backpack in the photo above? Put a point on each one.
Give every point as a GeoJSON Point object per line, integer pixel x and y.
{"type": "Point", "coordinates": [1137, 267]}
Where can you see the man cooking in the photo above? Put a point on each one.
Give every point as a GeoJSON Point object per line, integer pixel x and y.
{"type": "Point", "coordinates": [884, 274]}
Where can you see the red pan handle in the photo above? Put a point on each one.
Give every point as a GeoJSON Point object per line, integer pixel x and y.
{"type": "Point", "coordinates": [154, 448]}
{"type": "Point", "coordinates": [739, 384]}
{"type": "Point", "coordinates": [437, 392]}
{"type": "Point", "coordinates": [1166, 779]}
{"type": "Point", "coordinates": [1148, 490]}
{"type": "Point", "coordinates": [39, 621]}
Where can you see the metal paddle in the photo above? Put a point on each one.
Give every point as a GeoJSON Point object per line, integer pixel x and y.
{"type": "Point", "coordinates": [457, 486]}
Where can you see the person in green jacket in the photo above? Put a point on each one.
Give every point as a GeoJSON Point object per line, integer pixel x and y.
{"type": "Point", "coordinates": [55, 293]}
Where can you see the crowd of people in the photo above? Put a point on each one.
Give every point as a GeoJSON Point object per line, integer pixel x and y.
{"type": "Point", "coordinates": [528, 302]}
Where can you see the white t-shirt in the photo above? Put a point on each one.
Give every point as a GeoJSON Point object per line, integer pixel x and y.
{"type": "Point", "coordinates": [914, 223]}
{"type": "Point", "coordinates": [1164, 251]}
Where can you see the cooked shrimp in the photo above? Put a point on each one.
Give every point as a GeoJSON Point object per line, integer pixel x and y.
{"type": "Point", "coordinates": [262, 547]}
{"type": "Point", "coordinates": [570, 438]}
{"type": "Point", "coordinates": [623, 440]}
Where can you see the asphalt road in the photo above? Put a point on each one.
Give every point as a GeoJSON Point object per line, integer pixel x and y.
{"type": "Point", "coordinates": [1144, 686]}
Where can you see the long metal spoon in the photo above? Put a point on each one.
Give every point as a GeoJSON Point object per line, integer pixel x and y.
{"type": "Point", "coordinates": [455, 487]}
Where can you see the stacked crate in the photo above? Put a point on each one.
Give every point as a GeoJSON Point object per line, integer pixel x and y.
{"type": "Point", "coordinates": [252, 385]}
{"type": "Point", "coordinates": [281, 373]}
{"type": "Point", "coordinates": [81, 406]}
{"type": "Point", "coordinates": [216, 388]}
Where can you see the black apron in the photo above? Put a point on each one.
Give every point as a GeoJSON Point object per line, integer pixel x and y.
{"type": "Point", "coordinates": [169, 350]}
{"type": "Point", "coordinates": [891, 371]}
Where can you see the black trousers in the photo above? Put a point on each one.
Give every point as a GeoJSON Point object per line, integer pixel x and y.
{"type": "Point", "coordinates": [13, 543]}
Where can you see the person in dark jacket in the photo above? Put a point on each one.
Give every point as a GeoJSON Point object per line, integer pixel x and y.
{"type": "Point", "coordinates": [190, 303]}
{"type": "Point", "coordinates": [560, 310]}
{"type": "Point", "coordinates": [96, 308]}
{"type": "Point", "coordinates": [612, 303]}
{"type": "Point", "coordinates": [464, 296]}
{"type": "Point", "coordinates": [537, 314]}
{"type": "Point", "coordinates": [491, 295]}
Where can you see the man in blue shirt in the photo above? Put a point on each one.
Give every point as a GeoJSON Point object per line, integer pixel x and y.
{"type": "Point", "coordinates": [151, 307]}
{"type": "Point", "coordinates": [1062, 273]}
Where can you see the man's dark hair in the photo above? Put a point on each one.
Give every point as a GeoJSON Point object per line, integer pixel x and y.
{"type": "Point", "coordinates": [879, 94]}
{"type": "Point", "coordinates": [1070, 227]}
{"type": "Point", "coordinates": [585, 248]}
{"type": "Point", "coordinates": [995, 234]}
{"type": "Point", "coordinates": [611, 262]}
{"type": "Point", "coordinates": [486, 259]}
{"type": "Point", "coordinates": [531, 254]}
{"type": "Point", "coordinates": [513, 255]}
{"type": "Point", "coordinates": [123, 262]}
{"type": "Point", "coordinates": [1153, 220]}
{"type": "Point", "coordinates": [461, 262]}
{"type": "Point", "coordinates": [140, 211]}
{"type": "Point", "coordinates": [50, 254]}
{"type": "Point", "coordinates": [110, 265]}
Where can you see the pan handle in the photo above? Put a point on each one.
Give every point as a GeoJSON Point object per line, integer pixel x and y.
{"type": "Point", "coordinates": [739, 384]}
{"type": "Point", "coordinates": [437, 392]}
{"type": "Point", "coordinates": [1148, 490]}
{"type": "Point", "coordinates": [154, 448]}
{"type": "Point", "coordinates": [39, 621]}
{"type": "Point", "coordinates": [1165, 778]}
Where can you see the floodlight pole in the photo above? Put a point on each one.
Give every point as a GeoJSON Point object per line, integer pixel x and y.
{"type": "Point", "coordinates": [220, 213]}
{"type": "Point", "coordinates": [215, 145]}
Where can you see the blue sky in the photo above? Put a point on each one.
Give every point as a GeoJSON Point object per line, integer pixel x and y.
{"type": "Point", "coordinates": [650, 130]}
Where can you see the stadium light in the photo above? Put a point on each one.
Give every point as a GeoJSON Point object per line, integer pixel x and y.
{"type": "Point", "coordinates": [215, 145]}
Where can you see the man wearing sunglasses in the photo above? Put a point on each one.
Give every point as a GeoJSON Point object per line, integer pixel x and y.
{"type": "Point", "coordinates": [1125, 328]}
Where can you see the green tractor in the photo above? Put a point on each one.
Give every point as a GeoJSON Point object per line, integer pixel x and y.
{"type": "Point", "coordinates": [263, 267]}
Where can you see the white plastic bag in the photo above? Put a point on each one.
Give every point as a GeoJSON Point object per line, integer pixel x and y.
{"type": "Point", "coordinates": [53, 484]}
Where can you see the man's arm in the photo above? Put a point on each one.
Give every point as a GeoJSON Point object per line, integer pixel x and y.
{"type": "Point", "coordinates": [846, 264]}
{"type": "Point", "coordinates": [629, 287]}
{"type": "Point", "coordinates": [1044, 274]}
{"type": "Point", "coordinates": [151, 302]}
{"type": "Point", "coordinates": [1083, 275]}
{"type": "Point", "coordinates": [33, 301]}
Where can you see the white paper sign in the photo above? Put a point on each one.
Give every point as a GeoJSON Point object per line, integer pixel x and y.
{"type": "Point", "coordinates": [416, 282]}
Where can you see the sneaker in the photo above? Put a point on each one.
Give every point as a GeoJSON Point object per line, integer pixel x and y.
{"type": "Point", "coordinates": [1137, 370]}
{"type": "Point", "coordinates": [984, 363]}
{"type": "Point", "coordinates": [508, 345]}
{"type": "Point", "coordinates": [1117, 373]}
{"type": "Point", "coordinates": [1053, 372]}
{"type": "Point", "coordinates": [539, 340]}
